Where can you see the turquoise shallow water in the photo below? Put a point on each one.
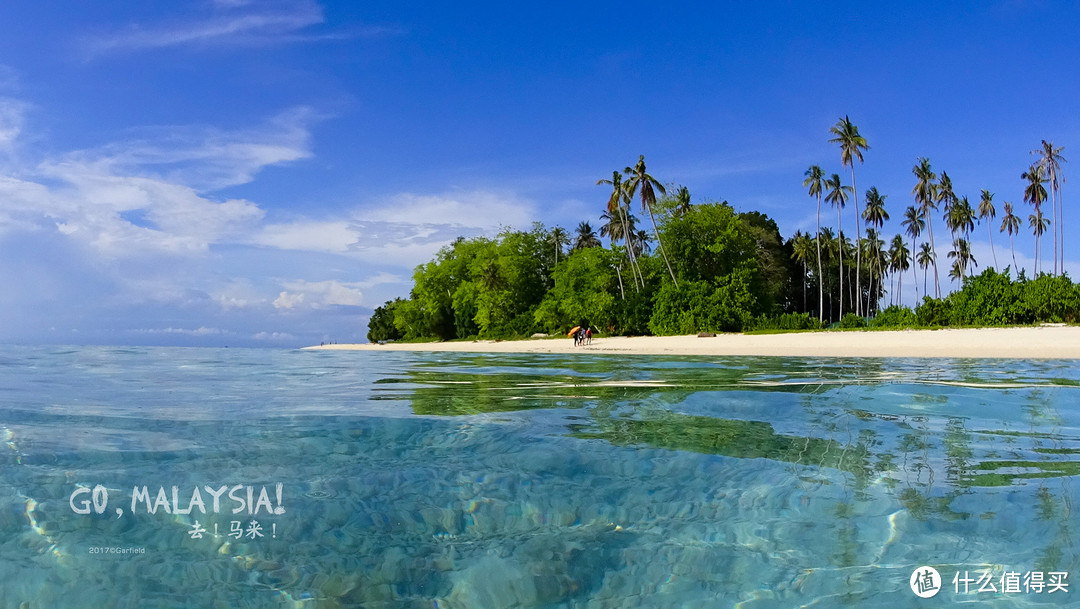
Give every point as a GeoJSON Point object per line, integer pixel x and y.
{"type": "Point", "coordinates": [497, 481]}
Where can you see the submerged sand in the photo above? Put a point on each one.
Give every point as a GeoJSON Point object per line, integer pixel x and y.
{"type": "Point", "coordinates": [1043, 342]}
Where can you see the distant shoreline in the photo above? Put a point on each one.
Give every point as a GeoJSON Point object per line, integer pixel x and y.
{"type": "Point", "coordinates": [1043, 342]}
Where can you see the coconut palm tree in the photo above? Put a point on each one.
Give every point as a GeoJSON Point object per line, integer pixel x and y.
{"type": "Point", "coordinates": [1011, 222]}
{"type": "Point", "coordinates": [585, 237]}
{"type": "Point", "coordinates": [560, 240]}
{"type": "Point", "coordinates": [837, 197]}
{"type": "Point", "coordinates": [619, 201]}
{"type": "Point", "coordinates": [899, 261]}
{"type": "Point", "coordinates": [814, 180]}
{"type": "Point", "coordinates": [947, 198]}
{"type": "Point", "coordinates": [914, 224]}
{"type": "Point", "coordinates": [962, 257]}
{"type": "Point", "coordinates": [851, 147]}
{"type": "Point", "coordinates": [987, 211]}
{"type": "Point", "coordinates": [924, 259]}
{"type": "Point", "coordinates": [925, 194]}
{"type": "Point", "coordinates": [876, 263]}
{"type": "Point", "coordinates": [1050, 159]}
{"type": "Point", "coordinates": [875, 216]}
{"type": "Point", "coordinates": [648, 186]}
{"type": "Point", "coordinates": [1035, 194]}
{"type": "Point", "coordinates": [1038, 223]}
{"type": "Point", "coordinates": [800, 251]}
{"type": "Point", "coordinates": [682, 202]}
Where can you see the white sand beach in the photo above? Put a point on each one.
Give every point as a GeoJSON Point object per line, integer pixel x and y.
{"type": "Point", "coordinates": [1044, 342]}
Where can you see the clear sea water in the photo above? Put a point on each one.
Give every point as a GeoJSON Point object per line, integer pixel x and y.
{"type": "Point", "coordinates": [466, 481]}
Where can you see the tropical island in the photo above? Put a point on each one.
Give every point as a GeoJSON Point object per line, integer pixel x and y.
{"type": "Point", "coordinates": [705, 268]}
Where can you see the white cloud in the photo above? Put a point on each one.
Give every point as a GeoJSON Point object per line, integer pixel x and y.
{"type": "Point", "coordinates": [319, 294]}
{"type": "Point", "coordinates": [12, 112]}
{"type": "Point", "coordinates": [283, 336]}
{"type": "Point", "coordinates": [479, 209]}
{"type": "Point", "coordinates": [333, 237]}
{"type": "Point", "coordinates": [200, 331]}
{"type": "Point", "coordinates": [205, 158]}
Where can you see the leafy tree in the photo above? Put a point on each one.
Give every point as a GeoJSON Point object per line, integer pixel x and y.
{"type": "Point", "coordinates": [815, 178]}
{"type": "Point", "coordinates": [381, 326]}
{"type": "Point", "coordinates": [774, 264]}
{"type": "Point", "coordinates": [583, 292]}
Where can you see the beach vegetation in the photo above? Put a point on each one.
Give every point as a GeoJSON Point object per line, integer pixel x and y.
{"type": "Point", "coordinates": [706, 267]}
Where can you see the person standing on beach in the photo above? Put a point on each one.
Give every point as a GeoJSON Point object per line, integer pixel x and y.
{"type": "Point", "coordinates": [588, 335]}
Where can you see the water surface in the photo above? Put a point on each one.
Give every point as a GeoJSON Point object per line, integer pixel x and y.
{"type": "Point", "coordinates": [496, 481]}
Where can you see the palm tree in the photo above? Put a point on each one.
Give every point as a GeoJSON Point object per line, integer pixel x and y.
{"type": "Point", "coordinates": [1035, 194]}
{"type": "Point", "coordinates": [962, 256]}
{"type": "Point", "coordinates": [648, 185]}
{"type": "Point", "coordinates": [813, 181]}
{"type": "Point", "coordinates": [899, 261]}
{"type": "Point", "coordinates": [986, 210]}
{"type": "Point", "coordinates": [924, 259]}
{"type": "Point", "coordinates": [947, 198]}
{"type": "Point", "coordinates": [561, 239]}
{"type": "Point", "coordinates": [620, 201]}
{"type": "Point", "coordinates": [800, 251]}
{"type": "Point", "coordinates": [1011, 222]}
{"type": "Point", "coordinates": [914, 224]}
{"type": "Point", "coordinates": [851, 146]}
{"type": "Point", "coordinates": [875, 216]}
{"type": "Point", "coordinates": [925, 191]}
{"type": "Point", "coordinates": [1051, 160]}
{"type": "Point", "coordinates": [876, 262]}
{"type": "Point", "coordinates": [1038, 224]}
{"type": "Point", "coordinates": [837, 197]}
{"type": "Point", "coordinates": [682, 202]}
{"type": "Point", "coordinates": [585, 237]}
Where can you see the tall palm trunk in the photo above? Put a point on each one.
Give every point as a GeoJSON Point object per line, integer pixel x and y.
{"type": "Point", "coordinates": [858, 239]}
{"type": "Point", "coordinates": [933, 252]}
{"type": "Point", "coordinates": [840, 248]}
{"type": "Point", "coordinates": [820, 283]}
{"type": "Point", "coordinates": [1013, 248]}
{"type": "Point", "coordinates": [630, 251]}
{"type": "Point", "coordinates": [660, 246]}
{"type": "Point", "coordinates": [914, 271]}
{"type": "Point", "coordinates": [992, 251]}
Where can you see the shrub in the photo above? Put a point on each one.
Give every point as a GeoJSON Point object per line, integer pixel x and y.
{"type": "Point", "coordinates": [851, 320]}
{"type": "Point", "coordinates": [932, 312]}
{"type": "Point", "coordinates": [895, 317]}
{"type": "Point", "coordinates": [785, 321]}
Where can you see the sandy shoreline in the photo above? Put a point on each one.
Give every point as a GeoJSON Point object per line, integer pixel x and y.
{"type": "Point", "coordinates": [1045, 342]}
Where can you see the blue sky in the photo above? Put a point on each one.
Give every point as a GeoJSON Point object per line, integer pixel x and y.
{"type": "Point", "coordinates": [233, 172]}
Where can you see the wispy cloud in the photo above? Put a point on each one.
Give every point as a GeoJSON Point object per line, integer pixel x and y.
{"type": "Point", "coordinates": [233, 23]}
